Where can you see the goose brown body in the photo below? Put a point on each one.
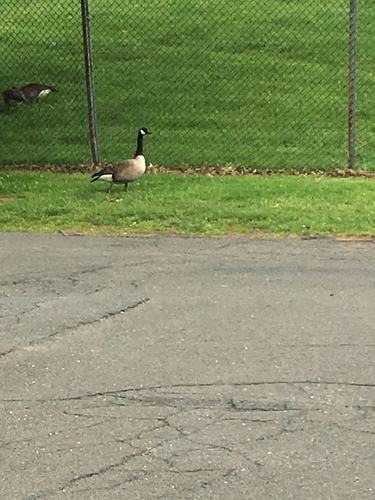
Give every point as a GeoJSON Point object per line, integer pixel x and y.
{"type": "Point", "coordinates": [126, 171]}
{"type": "Point", "coordinates": [35, 91]}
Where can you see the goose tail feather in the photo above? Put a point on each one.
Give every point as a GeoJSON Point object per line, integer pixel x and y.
{"type": "Point", "coordinates": [102, 175]}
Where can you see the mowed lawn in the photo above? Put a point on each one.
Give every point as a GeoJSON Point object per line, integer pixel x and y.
{"type": "Point", "coordinates": [247, 82]}
{"type": "Point", "coordinates": [188, 204]}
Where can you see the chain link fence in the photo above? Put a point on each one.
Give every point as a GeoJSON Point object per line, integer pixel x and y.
{"type": "Point", "coordinates": [251, 83]}
{"type": "Point", "coordinates": [42, 43]}
{"type": "Point", "coordinates": [365, 149]}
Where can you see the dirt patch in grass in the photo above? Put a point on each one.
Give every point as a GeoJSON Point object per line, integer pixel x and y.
{"type": "Point", "coordinates": [354, 237]}
{"type": "Point", "coordinates": [89, 168]}
{"type": "Point", "coordinates": [7, 199]}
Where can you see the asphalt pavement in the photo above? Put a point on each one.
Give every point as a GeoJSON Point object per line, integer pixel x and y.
{"type": "Point", "coordinates": [186, 368]}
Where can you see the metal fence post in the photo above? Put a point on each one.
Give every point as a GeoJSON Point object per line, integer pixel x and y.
{"type": "Point", "coordinates": [90, 87]}
{"type": "Point", "coordinates": [352, 82]}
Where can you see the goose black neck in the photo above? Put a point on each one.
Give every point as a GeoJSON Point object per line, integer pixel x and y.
{"type": "Point", "coordinates": [139, 150]}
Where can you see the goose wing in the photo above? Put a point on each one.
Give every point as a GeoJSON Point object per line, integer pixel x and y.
{"type": "Point", "coordinates": [108, 170]}
{"type": "Point", "coordinates": [34, 89]}
{"type": "Point", "coordinates": [123, 171]}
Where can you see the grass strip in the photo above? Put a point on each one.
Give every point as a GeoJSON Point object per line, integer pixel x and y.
{"type": "Point", "coordinates": [262, 206]}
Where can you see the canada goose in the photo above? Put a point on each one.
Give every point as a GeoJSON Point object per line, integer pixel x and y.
{"type": "Point", "coordinates": [34, 91]}
{"type": "Point", "coordinates": [125, 171]}
{"type": "Point", "coordinates": [13, 94]}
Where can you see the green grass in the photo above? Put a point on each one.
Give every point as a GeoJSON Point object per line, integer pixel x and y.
{"type": "Point", "coordinates": [182, 204]}
{"type": "Point", "coordinates": [249, 83]}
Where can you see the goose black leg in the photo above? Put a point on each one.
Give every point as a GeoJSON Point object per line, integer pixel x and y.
{"type": "Point", "coordinates": [126, 187]}
{"type": "Point", "coordinates": [110, 187]}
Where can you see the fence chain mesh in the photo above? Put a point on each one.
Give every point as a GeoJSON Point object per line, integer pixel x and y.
{"type": "Point", "coordinates": [248, 83]}
{"type": "Point", "coordinates": [42, 43]}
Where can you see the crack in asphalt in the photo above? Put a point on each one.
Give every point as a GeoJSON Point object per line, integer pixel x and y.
{"type": "Point", "coordinates": [18, 317]}
{"type": "Point", "coordinates": [177, 450]}
{"type": "Point", "coordinates": [133, 476]}
{"type": "Point", "coordinates": [145, 451]}
{"type": "Point", "coordinates": [39, 278]}
{"type": "Point", "coordinates": [260, 406]}
{"type": "Point", "coordinates": [136, 475]}
{"type": "Point", "coordinates": [50, 336]}
{"type": "Point", "coordinates": [71, 482]}
{"type": "Point", "coordinates": [119, 392]}
{"type": "Point", "coordinates": [136, 441]}
{"type": "Point", "coordinates": [88, 270]}
{"type": "Point", "coordinates": [152, 443]}
{"type": "Point", "coordinates": [101, 471]}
